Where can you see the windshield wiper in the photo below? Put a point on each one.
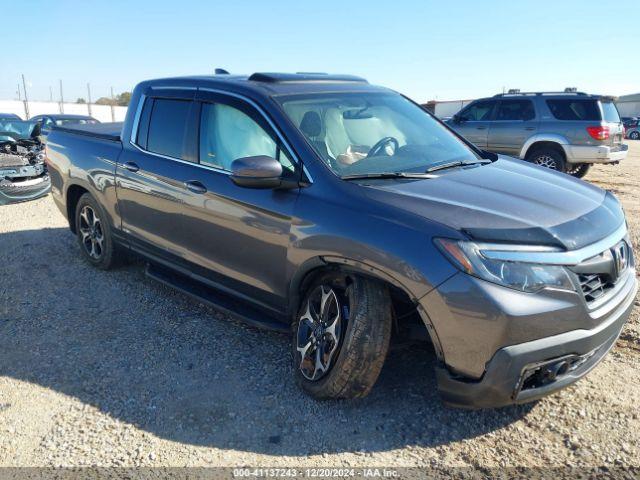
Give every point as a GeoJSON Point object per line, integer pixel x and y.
{"type": "Point", "coordinates": [443, 166]}
{"type": "Point", "coordinates": [384, 175]}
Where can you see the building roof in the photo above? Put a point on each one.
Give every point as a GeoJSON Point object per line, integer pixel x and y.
{"type": "Point", "coordinates": [629, 98]}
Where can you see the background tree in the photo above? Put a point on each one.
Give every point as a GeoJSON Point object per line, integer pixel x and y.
{"type": "Point", "coordinates": [81, 100]}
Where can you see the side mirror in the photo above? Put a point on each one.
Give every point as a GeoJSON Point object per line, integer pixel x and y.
{"type": "Point", "coordinates": [260, 171]}
{"type": "Point", "coordinates": [457, 119]}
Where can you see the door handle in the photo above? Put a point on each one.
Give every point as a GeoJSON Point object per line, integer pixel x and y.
{"type": "Point", "coordinates": [481, 128]}
{"type": "Point", "coordinates": [132, 167]}
{"type": "Point", "coordinates": [195, 186]}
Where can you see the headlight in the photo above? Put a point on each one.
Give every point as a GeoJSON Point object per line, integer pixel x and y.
{"type": "Point", "coordinates": [526, 277]}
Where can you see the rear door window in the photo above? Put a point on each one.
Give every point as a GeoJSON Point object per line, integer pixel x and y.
{"type": "Point", "coordinates": [167, 127]}
{"type": "Point", "coordinates": [610, 112]}
{"type": "Point", "coordinates": [515, 110]}
{"type": "Point", "coordinates": [573, 109]}
{"type": "Point", "coordinates": [480, 111]}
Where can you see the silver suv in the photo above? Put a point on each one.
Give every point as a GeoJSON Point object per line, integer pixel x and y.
{"type": "Point", "coordinates": [565, 131]}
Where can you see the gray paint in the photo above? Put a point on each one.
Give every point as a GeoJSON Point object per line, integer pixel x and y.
{"type": "Point", "coordinates": [260, 244]}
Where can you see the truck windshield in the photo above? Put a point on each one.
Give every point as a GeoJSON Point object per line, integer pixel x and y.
{"type": "Point", "coordinates": [374, 133]}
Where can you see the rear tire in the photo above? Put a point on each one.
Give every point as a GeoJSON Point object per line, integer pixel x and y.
{"type": "Point", "coordinates": [548, 157]}
{"type": "Point", "coordinates": [94, 234]}
{"type": "Point", "coordinates": [578, 170]}
{"type": "Point", "coordinates": [361, 317]}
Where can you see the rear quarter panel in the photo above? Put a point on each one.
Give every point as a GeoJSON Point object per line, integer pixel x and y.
{"type": "Point", "coordinates": [87, 162]}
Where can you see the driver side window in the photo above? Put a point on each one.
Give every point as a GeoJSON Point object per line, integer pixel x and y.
{"type": "Point", "coordinates": [480, 111]}
{"type": "Point", "coordinates": [228, 133]}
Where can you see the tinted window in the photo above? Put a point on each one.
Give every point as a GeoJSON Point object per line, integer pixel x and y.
{"type": "Point", "coordinates": [565, 109]}
{"type": "Point", "coordinates": [167, 126]}
{"type": "Point", "coordinates": [479, 111]}
{"type": "Point", "coordinates": [515, 110]}
{"type": "Point", "coordinates": [610, 112]}
{"type": "Point", "coordinates": [227, 133]}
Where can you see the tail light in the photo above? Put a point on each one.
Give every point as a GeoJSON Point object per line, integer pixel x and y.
{"type": "Point", "coordinates": [599, 133]}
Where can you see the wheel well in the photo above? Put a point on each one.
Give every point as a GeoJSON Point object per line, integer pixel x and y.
{"type": "Point", "coordinates": [74, 192]}
{"type": "Point", "coordinates": [407, 322]}
{"type": "Point", "coordinates": [539, 145]}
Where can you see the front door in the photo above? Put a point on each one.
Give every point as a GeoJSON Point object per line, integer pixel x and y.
{"type": "Point", "coordinates": [474, 121]}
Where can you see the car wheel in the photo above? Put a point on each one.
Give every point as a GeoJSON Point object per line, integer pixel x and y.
{"type": "Point", "coordinates": [94, 234]}
{"type": "Point", "coordinates": [548, 158]}
{"type": "Point", "coordinates": [578, 170]}
{"type": "Point", "coordinates": [341, 336]}
{"type": "Point", "coordinates": [635, 135]}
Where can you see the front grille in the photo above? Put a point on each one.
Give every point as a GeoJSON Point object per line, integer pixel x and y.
{"type": "Point", "coordinates": [594, 286]}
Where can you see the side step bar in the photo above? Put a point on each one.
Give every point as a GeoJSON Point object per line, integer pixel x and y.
{"type": "Point", "coordinates": [218, 300]}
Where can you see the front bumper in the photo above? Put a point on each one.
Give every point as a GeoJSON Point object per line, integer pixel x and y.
{"type": "Point", "coordinates": [25, 190]}
{"type": "Point", "coordinates": [508, 376]}
{"type": "Point", "coordinates": [596, 154]}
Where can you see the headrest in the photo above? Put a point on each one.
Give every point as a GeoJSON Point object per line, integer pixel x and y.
{"type": "Point", "coordinates": [311, 124]}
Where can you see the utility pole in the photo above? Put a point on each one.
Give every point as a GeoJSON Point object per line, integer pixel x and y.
{"type": "Point", "coordinates": [26, 100]}
{"type": "Point", "coordinates": [19, 93]}
{"type": "Point", "coordinates": [89, 98]}
{"type": "Point", "coordinates": [61, 99]}
{"type": "Point", "coordinates": [50, 94]}
{"type": "Point", "coordinates": [113, 109]}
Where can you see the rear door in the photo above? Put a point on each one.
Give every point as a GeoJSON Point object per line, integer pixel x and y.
{"type": "Point", "coordinates": [473, 122]}
{"type": "Point", "coordinates": [515, 121]}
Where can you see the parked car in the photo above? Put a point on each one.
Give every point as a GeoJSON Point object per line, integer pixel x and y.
{"type": "Point", "coordinates": [344, 213]}
{"type": "Point", "coordinates": [564, 131]}
{"type": "Point", "coordinates": [629, 122]}
{"type": "Point", "coordinates": [48, 121]}
{"type": "Point", "coordinates": [632, 130]}
{"type": "Point", "coordinates": [23, 174]}
{"type": "Point", "coordinates": [7, 117]}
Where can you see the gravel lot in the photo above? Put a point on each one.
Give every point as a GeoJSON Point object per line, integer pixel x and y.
{"type": "Point", "coordinates": [111, 368]}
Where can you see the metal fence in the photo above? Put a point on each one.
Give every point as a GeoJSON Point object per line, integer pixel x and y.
{"type": "Point", "coordinates": [27, 109]}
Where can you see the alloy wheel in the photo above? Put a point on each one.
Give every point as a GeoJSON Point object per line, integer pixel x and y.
{"type": "Point", "coordinates": [634, 135]}
{"type": "Point", "coordinates": [319, 333]}
{"type": "Point", "coordinates": [91, 232]}
{"type": "Point", "coordinates": [546, 161]}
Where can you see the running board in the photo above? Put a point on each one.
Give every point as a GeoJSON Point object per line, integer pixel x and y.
{"type": "Point", "coordinates": [218, 300]}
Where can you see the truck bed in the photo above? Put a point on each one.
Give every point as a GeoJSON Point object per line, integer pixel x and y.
{"type": "Point", "coordinates": [106, 131]}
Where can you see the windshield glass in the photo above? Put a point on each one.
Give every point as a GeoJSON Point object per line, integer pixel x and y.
{"type": "Point", "coordinates": [16, 129]}
{"type": "Point", "coordinates": [371, 133]}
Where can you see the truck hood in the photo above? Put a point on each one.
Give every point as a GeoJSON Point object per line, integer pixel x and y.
{"type": "Point", "coordinates": [509, 201]}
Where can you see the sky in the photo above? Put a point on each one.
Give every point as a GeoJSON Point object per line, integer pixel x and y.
{"type": "Point", "coordinates": [426, 49]}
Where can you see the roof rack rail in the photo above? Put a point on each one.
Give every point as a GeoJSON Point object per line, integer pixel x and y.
{"type": "Point", "coordinates": [221, 71]}
{"type": "Point", "coordinates": [540, 93]}
{"type": "Point", "coordinates": [272, 77]}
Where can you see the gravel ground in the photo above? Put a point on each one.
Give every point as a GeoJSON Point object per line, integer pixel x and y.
{"type": "Point", "coordinates": [113, 369]}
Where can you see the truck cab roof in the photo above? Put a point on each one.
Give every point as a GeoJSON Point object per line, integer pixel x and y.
{"type": "Point", "coordinates": [269, 83]}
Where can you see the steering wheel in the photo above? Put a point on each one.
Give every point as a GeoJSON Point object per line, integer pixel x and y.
{"type": "Point", "coordinates": [380, 144]}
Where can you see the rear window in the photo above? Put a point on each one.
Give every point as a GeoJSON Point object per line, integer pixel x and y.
{"type": "Point", "coordinates": [610, 112]}
{"type": "Point", "coordinates": [515, 110]}
{"type": "Point", "coordinates": [167, 126]}
{"type": "Point", "coordinates": [572, 109]}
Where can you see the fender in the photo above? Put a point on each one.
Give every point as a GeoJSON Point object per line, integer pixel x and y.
{"type": "Point", "coordinates": [544, 137]}
{"type": "Point", "coordinates": [362, 268]}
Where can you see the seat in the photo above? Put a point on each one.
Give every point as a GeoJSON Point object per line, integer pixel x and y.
{"type": "Point", "coordinates": [311, 127]}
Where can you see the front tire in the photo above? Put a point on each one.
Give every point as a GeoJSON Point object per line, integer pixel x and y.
{"type": "Point", "coordinates": [635, 135]}
{"type": "Point", "coordinates": [94, 234]}
{"type": "Point", "coordinates": [549, 158]}
{"type": "Point", "coordinates": [341, 337]}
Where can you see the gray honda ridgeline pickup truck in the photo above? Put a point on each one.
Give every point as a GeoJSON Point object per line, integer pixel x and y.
{"type": "Point", "coordinates": [346, 214]}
